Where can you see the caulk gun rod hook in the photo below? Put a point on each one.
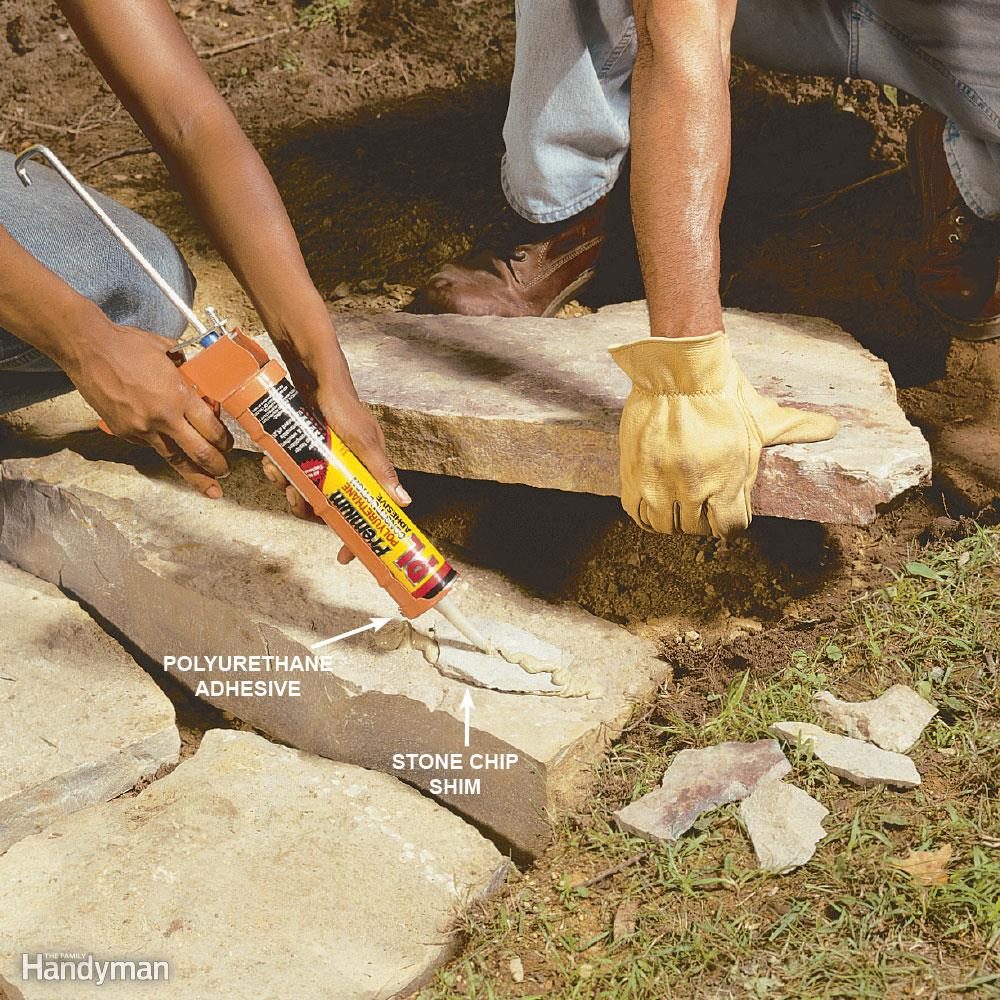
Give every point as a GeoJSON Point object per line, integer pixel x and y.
{"type": "Point", "coordinates": [20, 166]}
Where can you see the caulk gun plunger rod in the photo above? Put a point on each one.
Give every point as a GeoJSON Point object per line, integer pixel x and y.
{"type": "Point", "coordinates": [20, 166]}
{"type": "Point", "coordinates": [449, 609]}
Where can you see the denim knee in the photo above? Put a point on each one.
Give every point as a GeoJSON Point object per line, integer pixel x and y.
{"type": "Point", "coordinates": [131, 297]}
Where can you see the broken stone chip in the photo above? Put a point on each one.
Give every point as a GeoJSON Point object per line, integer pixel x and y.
{"type": "Point", "coordinates": [699, 780]}
{"type": "Point", "coordinates": [862, 763]}
{"type": "Point", "coordinates": [893, 721]}
{"type": "Point", "coordinates": [784, 824]}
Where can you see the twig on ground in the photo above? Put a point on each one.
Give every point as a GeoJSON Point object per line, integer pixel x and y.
{"type": "Point", "coordinates": [820, 200]}
{"type": "Point", "coordinates": [118, 154]}
{"type": "Point", "coordinates": [243, 43]}
{"type": "Point", "coordinates": [46, 127]}
{"type": "Point", "coordinates": [608, 872]}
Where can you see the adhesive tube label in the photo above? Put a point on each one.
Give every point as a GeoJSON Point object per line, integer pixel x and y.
{"type": "Point", "coordinates": [350, 488]}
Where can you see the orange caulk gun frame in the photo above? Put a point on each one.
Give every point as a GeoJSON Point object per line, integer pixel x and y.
{"type": "Point", "coordinates": [230, 369]}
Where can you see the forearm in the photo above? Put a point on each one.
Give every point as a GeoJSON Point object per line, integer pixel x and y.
{"type": "Point", "coordinates": [680, 159]}
{"type": "Point", "coordinates": [142, 52]}
{"type": "Point", "coordinates": [238, 204]}
{"type": "Point", "coordinates": [38, 307]}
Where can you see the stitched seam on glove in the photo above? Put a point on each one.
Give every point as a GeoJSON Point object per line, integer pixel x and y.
{"type": "Point", "coordinates": [677, 395]}
{"type": "Point", "coordinates": [751, 419]}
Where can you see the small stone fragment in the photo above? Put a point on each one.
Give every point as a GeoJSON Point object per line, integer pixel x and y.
{"type": "Point", "coordinates": [517, 970]}
{"type": "Point", "coordinates": [893, 721]}
{"type": "Point", "coordinates": [784, 824]}
{"type": "Point", "coordinates": [862, 763]}
{"type": "Point", "coordinates": [625, 920]}
{"type": "Point", "coordinates": [699, 780]}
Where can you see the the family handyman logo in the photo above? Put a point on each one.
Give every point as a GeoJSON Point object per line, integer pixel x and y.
{"type": "Point", "coordinates": [63, 967]}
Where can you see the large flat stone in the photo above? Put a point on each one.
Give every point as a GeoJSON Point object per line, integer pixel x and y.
{"type": "Point", "coordinates": [51, 419]}
{"type": "Point", "coordinates": [253, 870]}
{"type": "Point", "coordinates": [537, 401]}
{"type": "Point", "coordinates": [182, 575]}
{"type": "Point", "coordinates": [80, 721]}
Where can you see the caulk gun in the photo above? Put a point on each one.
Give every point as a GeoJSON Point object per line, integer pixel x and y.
{"type": "Point", "coordinates": [228, 368]}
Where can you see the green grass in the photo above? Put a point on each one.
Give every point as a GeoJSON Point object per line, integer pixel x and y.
{"type": "Point", "coordinates": [323, 12]}
{"type": "Point", "coordinates": [849, 924]}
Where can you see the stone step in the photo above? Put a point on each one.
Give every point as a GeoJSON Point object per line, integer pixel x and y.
{"type": "Point", "coordinates": [80, 720]}
{"type": "Point", "coordinates": [182, 575]}
{"type": "Point", "coordinates": [537, 401]}
{"type": "Point", "coordinates": [252, 870]}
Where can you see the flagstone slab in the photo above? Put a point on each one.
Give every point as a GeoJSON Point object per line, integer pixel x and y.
{"type": "Point", "coordinates": [181, 575]}
{"type": "Point", "coordinates": [251, 870]}
{"type": "Point", "coordinates": [80, 720]}
{"type": "Point", "coordinates": [537, 401]}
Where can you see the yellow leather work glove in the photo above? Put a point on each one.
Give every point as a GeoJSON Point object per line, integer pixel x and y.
{"type": "Point", "coordinates": [691, 434]}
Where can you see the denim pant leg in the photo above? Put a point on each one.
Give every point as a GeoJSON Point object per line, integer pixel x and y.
{"type": "Point", "coordinates": [52, 224]}
{"type": "Point", "coordinates": [567, 126]}
{"type": "Point", "coordinates": [942, 51]}
{"type": "Point", "coordinates": [567, 130]}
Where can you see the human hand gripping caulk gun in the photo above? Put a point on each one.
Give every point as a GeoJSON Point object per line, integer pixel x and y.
{"type": "Point", "coordinates": [229, 369]}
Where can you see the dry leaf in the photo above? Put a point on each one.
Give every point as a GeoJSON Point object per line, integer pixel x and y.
{"type": "Point", "coordinates": [927, 867]}
{"type": "Point", "coordinates": [625, 918]}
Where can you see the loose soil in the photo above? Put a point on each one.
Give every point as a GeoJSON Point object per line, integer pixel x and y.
{"type": "Point", "coordinates": [380, 121]}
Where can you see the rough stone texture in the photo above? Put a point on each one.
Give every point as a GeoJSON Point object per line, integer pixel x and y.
{"type": "Point", "coordinates": [179, 574]}
{"type": "Point", "coordinates": [52, 419]}
{"type": "Point", "coordinates": [80, 721]}
{"type": "Point", "coordinates": [255, 871]}
{"type": "Point", "coordinates": [859, 762]}
{"type": "Point", "coordinates": [537, 401]}
{"type": "Point", "coordinates": [699, 780]}
{"type": "Point", "coordinates": [894, 720]}
{"type": "Point", "coordinates": [784, 824]}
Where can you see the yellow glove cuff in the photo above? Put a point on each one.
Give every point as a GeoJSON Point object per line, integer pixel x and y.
{"type": "Point", "coordinates": [677, 365]}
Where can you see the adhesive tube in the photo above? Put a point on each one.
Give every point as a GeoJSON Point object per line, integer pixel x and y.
{"type": "Point", "coordinates": [255, 390]}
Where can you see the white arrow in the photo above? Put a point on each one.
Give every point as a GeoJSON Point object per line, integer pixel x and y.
{"type": "Point", "coordinates": [468, 706]}
{"type": "Point", "coordinates": [374, 625]}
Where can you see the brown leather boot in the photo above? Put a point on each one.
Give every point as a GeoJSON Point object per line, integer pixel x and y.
{"type": "Point", "coordinates": [539, 270]}
{"type": "Point", "coordinates": [959, 276]}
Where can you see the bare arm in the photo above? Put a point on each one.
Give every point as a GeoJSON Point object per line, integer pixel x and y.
{"type": "Point", "coordinates": [145, 56]}
{"type": "Point", "coordinates": [124, 373]}
{"type": "Point", "coordinates": [680, 158]}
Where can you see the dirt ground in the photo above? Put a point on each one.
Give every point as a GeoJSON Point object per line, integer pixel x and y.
{"type": "Point", "coordinates": [380, 120]}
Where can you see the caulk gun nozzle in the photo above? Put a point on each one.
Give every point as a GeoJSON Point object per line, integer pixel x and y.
{"type": "Point", "coordinates": [450, 611]}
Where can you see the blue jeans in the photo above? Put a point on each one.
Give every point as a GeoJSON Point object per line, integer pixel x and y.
{"type": "Point", "coordinates": [567, 128]}
{"type": "Point", "coordinates": [52, 224]}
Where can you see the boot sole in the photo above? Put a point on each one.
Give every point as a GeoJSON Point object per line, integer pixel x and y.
{"type": "Point", "coordinates": [975, 332]}
{"type": "Point", "coordinates": [568, 292]}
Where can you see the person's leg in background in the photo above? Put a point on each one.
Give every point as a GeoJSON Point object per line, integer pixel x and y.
{"type": "Point", "coordinates": [566, 138]}
{"type": "Point", "coordinates": [49, 221]}
{"type": "Point", "coordinates": [943, 52]}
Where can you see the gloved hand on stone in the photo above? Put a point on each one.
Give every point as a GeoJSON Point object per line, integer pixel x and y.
{"type": "Point", "coordinates": [691, 434]}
